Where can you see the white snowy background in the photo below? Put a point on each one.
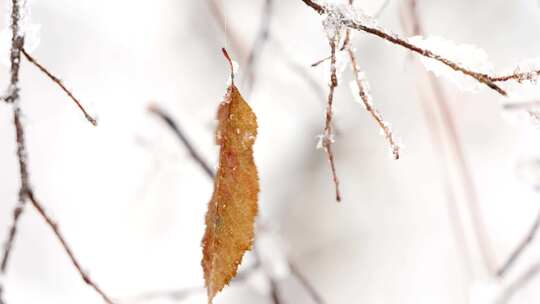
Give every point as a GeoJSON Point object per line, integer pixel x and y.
{"type": "Point", "coordinates": [131, 202]}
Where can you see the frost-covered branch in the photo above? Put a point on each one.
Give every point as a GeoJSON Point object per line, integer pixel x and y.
{"type": "Point", "coordinates": [13, 97]}
{"type": "Point", "coordinates": [60, 84]}
{"type": "Point", "coordinates": [327, 138]}
{"type": "Point", "coordinates": [17, 42]}
{"type": "Point", "coordinates": [346, 17]}
{"type": "Point", "coordinates": [362, 88]}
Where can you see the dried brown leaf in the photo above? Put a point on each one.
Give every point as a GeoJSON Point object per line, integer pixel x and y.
{"type": "Point", "coordinates": [232, 209]}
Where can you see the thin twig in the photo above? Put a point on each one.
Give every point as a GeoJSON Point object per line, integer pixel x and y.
{"type": "Point", "coordinates": [183, 138]}
{"type": "Point", "coordinates": [520, 249]}
{"type": "Point", "coordinates": [519, 76]}
{"type": "Point", "coordinates": [369, 106]}
{"type": "Point", "coordinates": [59, 82]}
{"type": "Point", "coordinates": [327, 137]}
{"type": "Point", "coordinates": [54, 227]}
{"type": "Point", "coordinates": [365, 97]}
{"type": "Point", "coordinates": [521, 282]}
{"type": "Point", "coordinates": [258, 46]}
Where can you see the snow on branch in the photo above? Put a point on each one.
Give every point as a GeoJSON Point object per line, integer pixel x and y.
{"type": "Point", "coordinates": [350, 18]}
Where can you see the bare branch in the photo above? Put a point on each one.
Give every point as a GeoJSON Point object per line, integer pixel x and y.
{"type": "Point", "coordinates": [24, 186]}
{"type": "Point", "coordinates": [54, 227]}
{"type": "Point", "coordinates": [183, 138]}
{"type": "Point", "coordinates": [327, 136]}
{"type": "Point", "coordinates": [59, 82]}
{"type": "Point", "coordinates": [520, 249]}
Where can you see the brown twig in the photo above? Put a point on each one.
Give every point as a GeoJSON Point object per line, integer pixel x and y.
{"type": "Point", "coordinates": [450, 132]}
{"type": "Point", "coordinates": [327, 137]}
{"type": "Point", "coordinates": [54, 227]}
{"type": "Point", "coordinates": [520, 249]}
{"type": "Point", "coordinates": [24, 186]}
{"type": "Point", "coordinates": [183, 138]}
{"type": "Point", "coordinates": [364, 97]}
{"type": "Point", "coordinates": [59, 82]}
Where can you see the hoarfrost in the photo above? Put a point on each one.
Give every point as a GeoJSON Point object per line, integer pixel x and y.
{"type": "Point", "coordinates": [324, 138]}
{"type": "Point", "coordinates": [466, 55]}
{"type": "Point", "coordinates": [29, 30]}
{"type": "Point", "coordinates": [527, 70]}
